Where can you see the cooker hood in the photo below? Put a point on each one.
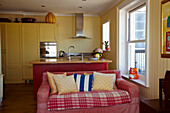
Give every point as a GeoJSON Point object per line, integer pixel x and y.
{"type": "Point", "coordinates": [79, 26]}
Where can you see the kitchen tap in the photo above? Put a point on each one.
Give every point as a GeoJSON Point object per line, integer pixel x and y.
{"type": "Point", "coordinates": [69, 58]}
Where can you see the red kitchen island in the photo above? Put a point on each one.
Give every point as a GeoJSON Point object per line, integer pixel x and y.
{"type": "Point", "coordinates": [64, 65]}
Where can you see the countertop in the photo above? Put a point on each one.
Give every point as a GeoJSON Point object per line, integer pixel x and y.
{"type": "Point", "coordinates": [65, 60]}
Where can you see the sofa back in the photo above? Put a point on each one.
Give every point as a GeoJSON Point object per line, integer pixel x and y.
{"type": "Point", "coordinates": [117, 72]}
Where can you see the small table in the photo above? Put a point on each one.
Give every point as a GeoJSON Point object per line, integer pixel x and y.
{"type": "Point", "coordinates": [154, 106]}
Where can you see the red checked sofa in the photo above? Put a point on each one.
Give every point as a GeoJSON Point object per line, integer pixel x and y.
{"type": "Point", "coordinates": [125, 99]}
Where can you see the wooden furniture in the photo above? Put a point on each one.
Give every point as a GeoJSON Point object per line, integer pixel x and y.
{"type": "Point", "coordinates": [158, 105]}
{"type": "Point", "coordinates": [20, 45]}
{"type": "Point", "coordinates": [154, 106]}
{"type": "Point", "coordinates": [63, 65]}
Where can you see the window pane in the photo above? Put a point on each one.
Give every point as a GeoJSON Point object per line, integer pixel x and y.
{"type": "Point", "coordinates": [106, 33]}
{"type": "Point", "coordinates": [136, 57]}
{"type": "Point", "coordinates": [137, 24]}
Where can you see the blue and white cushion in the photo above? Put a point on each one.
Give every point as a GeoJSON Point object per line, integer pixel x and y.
{"type": "Point", "coordinates": [84, 82]}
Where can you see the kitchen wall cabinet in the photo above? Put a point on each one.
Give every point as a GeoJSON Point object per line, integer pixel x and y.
{"type": "Point", "coordinates": [47, 32]}
{"type": "Point", "coordinates": [20, 45]}
{"type": "Point", "coordinates": [13, 58]}
{"type": "Point", "coordinates": [30, 51]}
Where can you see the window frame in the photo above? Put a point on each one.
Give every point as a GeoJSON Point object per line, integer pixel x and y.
{"type": "Point", "coordinates": [136, 40]}
{"type": "Point", "coordinates": [128, 23]}
{"type": "Point", "coordinates": [122, 26]}
{"type": "Point", "coordinates": [103, 48]}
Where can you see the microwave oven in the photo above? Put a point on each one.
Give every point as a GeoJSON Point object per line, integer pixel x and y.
{"type": "Point", "coordinates": [48, 49]}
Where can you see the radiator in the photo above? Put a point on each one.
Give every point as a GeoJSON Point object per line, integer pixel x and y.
{"type": "Point", "coordinates": [1, 87]}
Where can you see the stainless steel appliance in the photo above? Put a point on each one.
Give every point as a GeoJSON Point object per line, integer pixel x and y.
{"type": "Point", "coordinates": [48, 49]}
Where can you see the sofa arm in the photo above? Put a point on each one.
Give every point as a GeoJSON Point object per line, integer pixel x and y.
{"type": "Point", "coordinates": [131, 88]}
{"type": "Point", "coordinates": [43, 95]}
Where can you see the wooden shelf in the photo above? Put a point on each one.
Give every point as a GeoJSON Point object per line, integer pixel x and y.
{"type": "Point", "coordinates": [165, 55]}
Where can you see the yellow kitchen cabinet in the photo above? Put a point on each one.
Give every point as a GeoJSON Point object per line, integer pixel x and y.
{"type": "Point", "coordinates": [12, 51]}
{"type": "Point", "coordinates": [30, 45]}
{"type": "Point", "coordinates": [3, 51]}
{"type": "Point", "coordinates": [47, 32]}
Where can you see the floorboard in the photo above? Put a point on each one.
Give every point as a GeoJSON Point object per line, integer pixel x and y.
{"type": "Point", "coordinates": [18, 98]}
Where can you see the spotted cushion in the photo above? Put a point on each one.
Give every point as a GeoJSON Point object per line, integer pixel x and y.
{"type": "Point", "coordinates": [52, 83]}
{"type": "Point", "coordinates": [66, 84]}
{"type": "Point", "coordinates": [103, 82]}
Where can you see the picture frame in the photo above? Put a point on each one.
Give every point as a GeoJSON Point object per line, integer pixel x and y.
{"type": "Point", "coordinates": [165, 29]}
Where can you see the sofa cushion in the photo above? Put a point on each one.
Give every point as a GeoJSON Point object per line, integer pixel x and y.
{"type": "Point", "coordinates": [88, 99]}
{"type": "Point", "coordinates": [66, 84]}
{"type": "Point", "coordinates": [52, 83]}
{"type": "Point", "coordinates": [84, 82]}
{"type": "Point", "coordinates": [103, 82]}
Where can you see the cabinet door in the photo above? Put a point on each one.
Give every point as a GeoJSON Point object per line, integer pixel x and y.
{"type": "Point", "coordinates": [13, 53]}
{"type": "Point", "coordinates": [47, 32]}
{"type": "Point", "coordinates": [30, 36]}
{"type": "Point", "coordinates": [3, 50]}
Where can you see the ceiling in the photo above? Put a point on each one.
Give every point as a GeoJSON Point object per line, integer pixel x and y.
{"type": "Point", "coordinates": [92, 7]}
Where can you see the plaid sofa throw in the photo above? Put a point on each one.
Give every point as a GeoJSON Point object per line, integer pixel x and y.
{"type": "Point", "coordinates": [88, 99]}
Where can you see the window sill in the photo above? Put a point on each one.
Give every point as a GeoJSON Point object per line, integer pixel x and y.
{"type": "Point", "coordinates": [106, 50]}
{"type": "Point", "coordinates": [138, 81]}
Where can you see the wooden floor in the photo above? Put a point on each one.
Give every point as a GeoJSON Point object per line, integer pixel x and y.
{"type": "Point", "coordinates": [18, 98]}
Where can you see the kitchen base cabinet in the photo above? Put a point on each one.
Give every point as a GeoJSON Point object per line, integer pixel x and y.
{"type": "Point", "coordinates": [39, 69]}
{"type": "Point", "coordinates": [94, 66]}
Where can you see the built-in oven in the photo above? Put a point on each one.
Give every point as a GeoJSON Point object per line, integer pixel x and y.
{"type": "Point", "coordinates": [48, 49]}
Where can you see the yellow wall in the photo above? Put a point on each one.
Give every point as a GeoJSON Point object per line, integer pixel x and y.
{"type": "Point", "coordinates": [66, 29]}
{"type": "Point", "coordinates": [112, 16]}
{"type": "Point", "coordinates": [157, 65]}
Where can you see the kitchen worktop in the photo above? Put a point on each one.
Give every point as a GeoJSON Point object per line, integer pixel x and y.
{"type": "Point", "coordinates": [65, 60]}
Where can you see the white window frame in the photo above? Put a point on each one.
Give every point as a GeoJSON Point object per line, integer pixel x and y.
{"type": "Point", "coordinates": [103, 39]}
{"type": "Point", "coordinates": [122, 26]}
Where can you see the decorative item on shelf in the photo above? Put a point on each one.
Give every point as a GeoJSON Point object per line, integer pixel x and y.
{"type": "Point", "coordinates": [50, 18]}
{"type": "Point", "coordinates": [97, 53]}
{"type": "Point", "coordinates": [16, 20]}
{"type": "Point", "coordinates": [133, 73]}
{"type": "Point", "coordinates": [5, 20]}
{"type": "Point", "coordinates": [28, 20]}
{"type": "Point", "coordinates": [106, 43]}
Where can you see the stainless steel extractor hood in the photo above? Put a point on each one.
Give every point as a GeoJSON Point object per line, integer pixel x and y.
{"type": "Point", "coordinates": [79, 26]}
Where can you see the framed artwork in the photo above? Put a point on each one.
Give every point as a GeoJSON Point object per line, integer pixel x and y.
{"type": "Point", "coordinates": [165, 29]}
{"type": "Point", "coordinates": [168, 41]}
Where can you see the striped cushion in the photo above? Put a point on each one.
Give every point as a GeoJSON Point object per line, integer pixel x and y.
{"type": "Point", "coordinates": [84, 82]}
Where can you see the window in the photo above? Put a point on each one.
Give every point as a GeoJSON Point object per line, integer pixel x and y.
{"type": "Point", "coordinates": [133, 40]}
{"type": "Point", "coordinates": [106, 34]}
{"type": "Point", "coordinates": [136, 39]}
